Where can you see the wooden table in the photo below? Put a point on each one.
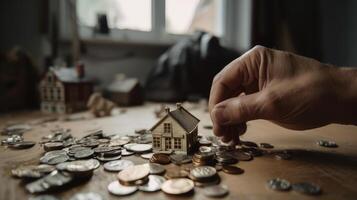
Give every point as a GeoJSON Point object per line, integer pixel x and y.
{"type": "Point", "coordinates": [334, 169]}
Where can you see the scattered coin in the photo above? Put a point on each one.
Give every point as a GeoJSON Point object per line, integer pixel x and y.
{"type": "Point", "coordinates": [177, 186]}
{"type": "Point", "coordinates": [249, 144]}
{"type": "Point", "coordinates": [22, 145]}
{"type": "Point", "coordinates": [116, 188]}
{"type": "Point", "coordinates": [84, 153]}
{"type": "Point", "coordinates": [154, 184]}
{"type": "Point", "coordinates": [306, 188]}
{"type": "Point", "coordinates": [230, 169]}
{"type": "Point", "coordinates": [50, 146]}
{"type": "Point", "coordinates": [215, 191]}
{"type": "Point", "coordinates": [283, 156]}
{"type": "Point", "coordinates": [328, 144]}
{"type": "Point", "coordinates": [147, 155]}
{"type": "Point", "coordinates": [87, 196]}
{"type": "Point", "coordinates": [117, 165]}
{"type": "Point", "coordinates": [266, 145]}
{"type": "Point", "coordinates": [130, 175]}
{"type": "Point", "coordinates": [241, 155]}
{"type": "Point", "coordinates": [160, 158]}
{"type": "Point", "coordinates": [53, 180]}
{"type": "Point", "coordinates": [279, 184]}
{"type": "Point", "coordinates": [32, 171]}
{"type": "Point", "coordinates": [155, 168]}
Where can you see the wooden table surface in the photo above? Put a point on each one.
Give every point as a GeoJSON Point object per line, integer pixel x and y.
{"type": "Point", "coordinates": [334, 169]}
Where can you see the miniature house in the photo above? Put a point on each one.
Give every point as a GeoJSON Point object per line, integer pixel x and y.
{"type": "Point", "coordinates": [175, 132]}
{"type": "Point", "coordinates": [65, 90]}
{"type": "Point", "coordinates": [125, 91]}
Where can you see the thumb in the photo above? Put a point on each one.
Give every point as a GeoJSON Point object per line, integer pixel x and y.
{"type": "Point", "coordinates": [238, 110]}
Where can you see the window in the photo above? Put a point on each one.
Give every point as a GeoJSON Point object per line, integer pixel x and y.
{"type": "Point", "coordinates": [121, 14]}
{"type": "Point", "coordinates": [156, 142]}
{"type": "Point", "coordinates": [177, 143]}
{"type": "Point", "coordinates": [186, 16]}
{"type": "Point", "coordinates": [167, 128]}
{"type": "Point", "coordinates": [167, 143]}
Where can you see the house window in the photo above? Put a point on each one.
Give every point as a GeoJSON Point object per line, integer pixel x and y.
{"type": "Point", "coordinates": [167, 128]}
{"type": "Point", "coordinates": [177, 143]}
{"type": "Point", "coordinates": [156, 142]}
{"type": "Point", "coordinates": [167, 143]}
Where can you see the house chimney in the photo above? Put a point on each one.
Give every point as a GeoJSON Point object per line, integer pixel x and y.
{"type": "Point", "coordinates": [178, 105]}
{"type": "Point", "coordinates": [167, 109]}
{"type": "Point", "coordinates": [80, 70]}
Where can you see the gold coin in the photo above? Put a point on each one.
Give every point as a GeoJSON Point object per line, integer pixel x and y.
{"type": "Point", "coordinates": [134, 173]}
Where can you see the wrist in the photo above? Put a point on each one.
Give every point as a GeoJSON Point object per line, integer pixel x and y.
{"type": "Point", "coordinates": [346, 95]}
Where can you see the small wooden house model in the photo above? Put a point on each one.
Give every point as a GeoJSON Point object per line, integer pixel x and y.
{"type": "Point", "coordinates": [175, 132]}
{"type": "Point", "coordinates": [65, 90]}
{"type": "Point", "coordinates": [125, 91]}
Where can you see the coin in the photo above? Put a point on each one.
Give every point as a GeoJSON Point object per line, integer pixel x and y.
{"type": "Point", "coordinates": [241, 155]}
{"type": "Point", "coordinates": [230, 169]}
{"type": "Point", "coordinates": [147, 155]}
{"type": "Point", "coordinates": [50, 146]}
{"type": "Point", "coordinates": [283, 156]}
{"type": "Point", "coordinates": [155, 168]}
{"type": "Point", "coordinates": [119, 141]}
{"type": "Point", "coordinates": [266, 145]}
{"type": "Point", "coordinates": [138, 148]}
{"type": "Point", "coordinates": [22, 145]}
{"type": "Point", "coordinates": [202, 172]}
{"type": "Point", "coordinates": [249, 144]}
{"type": "Point", "coordinates": [328, 144]}
{"type": "Point", "coordinates": [177, 186]}
{"type": "Point", "coordinates": [32, 171]}
{"type": "Point", "coordinates": [86, 196]}
{"type": "Point", "coordinates": [117, 165]}
{"type": "Point", "coordinates": [215, 191]}
{"type": "Point", "coordinates": [133, 173]}
{"type": "Point", "coordinates": [205, 149]}
{"type": "Point", "coordinates": [180, 159]}
{"type": "Point", "coordinates": [253, 151]}
{"type": "Point", "coordinates": [54, 159]}
{"type": "Point", "coordinates": [116, 188]}
{"type": "Point", "coordinates": [160, 158]}
{"type": "Point", "coordinates": [154, 184]}
{"type": "Point", "coordinates": [84, 153]}
{"type": "Point", "coordinates": [226, 159]}
{"type": "Point", "coordinates": [103, 149]}
{"type": "Point", "coordinates": [279, 184]}
{"type": "Point", "coordinates": [125, 152]}
{"type": "Point", "coordinates": [103, 158]}
{"type": "Point", "coordinates": [176, 174]}
{"type": "Point", "coordinates": [50, 181]}
{"type": "Point", "coordinates": [306, 188]}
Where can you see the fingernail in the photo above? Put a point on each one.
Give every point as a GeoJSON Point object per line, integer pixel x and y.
{"type": "Point", "coordinates": [220, 115]}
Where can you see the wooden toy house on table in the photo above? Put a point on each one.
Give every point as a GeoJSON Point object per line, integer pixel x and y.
{"type": "Point", "coordinates": [65, 90]}
{"type": "Point", "coordinates": [175, 132]}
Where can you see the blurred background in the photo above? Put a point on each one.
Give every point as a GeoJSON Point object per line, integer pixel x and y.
{"type": "Point", "coordinates": [172, 48]}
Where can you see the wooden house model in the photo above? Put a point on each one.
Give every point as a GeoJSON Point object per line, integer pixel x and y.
{"type": "Point", "coordinates": [125, 91]}
{"type": "Point", "coordinates": [175, 132]}
{"type": "Point", "coordinates": [65, 90]}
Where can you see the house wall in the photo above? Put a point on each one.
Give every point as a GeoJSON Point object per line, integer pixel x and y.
{"type": "Point", "coordinates": [52, 94]}
{"type": "Point", "coordinates": [177, 132]}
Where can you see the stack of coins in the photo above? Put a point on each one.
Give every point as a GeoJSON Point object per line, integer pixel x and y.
{"type": "Point", "coordinates": [205, 156]}
{"type": "Point", "coordinates": [204, 176]}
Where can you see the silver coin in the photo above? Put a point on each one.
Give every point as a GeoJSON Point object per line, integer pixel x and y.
{"type": "Point", "coordinates": [138, 148]}
{"type": "Point", "coordinates": [117, 165]}
{"type": "Point", "coordinates": [116, 188]}
{"type": "Point", "coordinates": [125, 152]}
{"type": "Point", "coordinates": [32, 171]}
{"type": "Point", "coordinates": [84, 153]}
{"type": "Point", "coordinates": [306, 188]}
{"type": "Point", "coordinates": [205, 149]}
{"type": "Point", "coordinates": [87, 196]}
{"type": "Point", "coordinates": [215, 191]}
{"type": "Point", "coordinates": [52, 180]}
{"type": "Point", "coordinates": [177, 186]}
{"type": "Point", "coordinates": [54, 159]}
{"type": "Point", "coordinates": [155, 168]}
{"type": "Point", "coordinates": [147, 155]}
{"type": "Point", "coordinates": [107, 159]}
{"type": "Point", "coordinates": [180, 159]}
{"type": "Point", "coordinates": [328, 144]}
{"type": "Point", "coordinates": [279, 184]}
{"type": "Point", "coordinates": [241, 155]}
{"type": "Point", "coordinates": [22, 145]}
{"type": "Point", "coordinates": [154, 184]}
{"type": "Point", "coordinates": [56, 152]}
{"type": "Point", "coordinates": [203, 172]}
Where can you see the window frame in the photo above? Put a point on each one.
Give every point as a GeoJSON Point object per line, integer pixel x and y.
{"type": "Point", "coordinates": [226, 26]}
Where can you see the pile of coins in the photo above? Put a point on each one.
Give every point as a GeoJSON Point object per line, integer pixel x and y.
{"type": "Point", "coordinates": [301, 187]}
{"type": "Point", "coordinates": [14, 138]}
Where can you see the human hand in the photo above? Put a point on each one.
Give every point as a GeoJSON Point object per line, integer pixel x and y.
{"type": "Point", "coordinates": [290, 90]}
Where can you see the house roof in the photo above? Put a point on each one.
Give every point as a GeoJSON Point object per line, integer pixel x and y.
{"type": "Point", "coordinates": [125, 85]}
{"type": "Point", "coordinates": [184, 118]}
{"type": "Point", "coordinates": [68, 75]}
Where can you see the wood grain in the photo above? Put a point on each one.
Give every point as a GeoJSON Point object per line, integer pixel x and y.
{"type": "Point", "coordinates": [335, 170]}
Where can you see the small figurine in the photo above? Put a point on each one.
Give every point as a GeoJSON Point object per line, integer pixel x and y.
{"type": "Point", "coordinates": [65, 90]}
{"type": "Point", "coordinates": [175, 132]}
{"type": "Point", "coordinates": [125, 91]}
{"type": "Point", "coordinates": [100, 106]}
